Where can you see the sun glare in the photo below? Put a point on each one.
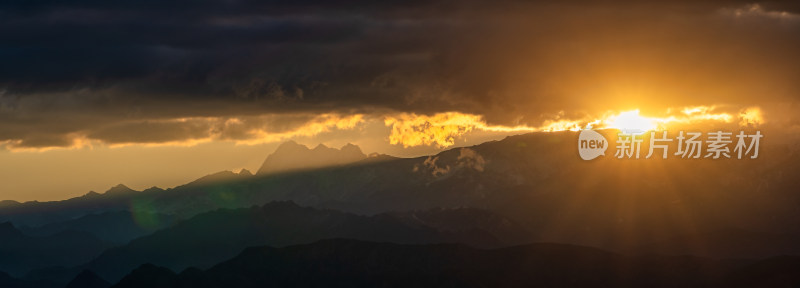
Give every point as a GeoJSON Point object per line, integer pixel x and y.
{"type": "Point", "coordinates": [632, 122]}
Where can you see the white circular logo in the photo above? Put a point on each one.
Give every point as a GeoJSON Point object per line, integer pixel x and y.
{"type": "Point", "coordinates": [591, 144]}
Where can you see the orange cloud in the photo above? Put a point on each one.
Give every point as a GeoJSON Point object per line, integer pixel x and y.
{"type": "Point", "coordinates": [440, 129]}
{"type": "Point", "coordinates": [443, 129]}
{"type": "Point", "coordinates": [406, 129]}
{"type": "Point", "coordinates": [190, 131]}
{"type": "Point", "coordinates": [751, 117]}
{"type": "Point", "coordinates": [319, 124]}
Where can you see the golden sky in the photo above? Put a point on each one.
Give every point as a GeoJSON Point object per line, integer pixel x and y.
{"type": "Point", "coordinates": [207, 89]}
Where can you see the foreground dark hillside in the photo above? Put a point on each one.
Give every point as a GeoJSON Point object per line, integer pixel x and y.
{"type": "Point", "coordinates": [349, 263]}
{"type": "Point", "coordinates": [20, 253]}
{"type": "Point", "coordinates": [212, 237]}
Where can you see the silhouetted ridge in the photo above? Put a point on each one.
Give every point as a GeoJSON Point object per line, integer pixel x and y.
{"type": "Point", "coordinates": [7, 281]}
{"type": "Point", "coordinates": [350, 148]}
{"type": "Point", "coordinates": [209, 238]}
{"type": "Point", "coordinates": [153, 189]}
{"type": "Point", "coordinates": [21, 253]}
{"type": "Point", "coordinates": [291, 156]}
{"type": "Point", "coordinates": [352, 263]}
{"type": "Point", "coordinates": [9, 233]}
{"type": "Point", "coordinates": [245, 172]}
{"type": "Point", "coordinates": [118, 227]}
{"type": "Point", "coordinates": [120, 189]}
{"type": "Point", "coordinates": [87, 279]}
{"type": "Point", "coordinates": [91, 194]}
{"type": "Point", "coordinates": [8, 203]}
{"type": "Point", "coordinates": [149, 275]}
{"type": "Point", "coordinates": [671, 206]}
{"type": "Point", "coordinates": [222, 176]}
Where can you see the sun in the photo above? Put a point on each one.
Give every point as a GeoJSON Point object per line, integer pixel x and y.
{"type": "Point", "coordinates": [631, 122]}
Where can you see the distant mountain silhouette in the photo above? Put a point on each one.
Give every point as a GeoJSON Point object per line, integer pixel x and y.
{"type": "Point", "coordinates": [8, 232]}
{"type": "Point", "coordinates": [730, 242]}
{"type": "Point", "coordinates": [508, 231]}
{"type": "Point", "coordinates": [536, 180]}
{"type": "Point", "coordinates": [218, 177]}
{"type": "Point", "coordinates": [116, 227]}
{"type": "Point", "coordinates": [8, 203]}
{"type": "Point", "coordinates": [291, 156]}
{"type": "Point", "coordinates": [120, 189]}
{"type": "Point", "coordinates": [87, 279]}
{"type": "Point", "coordinates": [20, 253]}
{"type": "Point", "coordinates": [245, 172]}
{"type": "Point", "coordinates": [209, 238]}
{"type": "Point", "coordinates": [7, 281]}
{"type": "Point", "coordinates": [719, 208]}
{"type": "Point", "coordinates": [34, 213]}
{"type": "Point", "coordinates": [351, 263]}
{"type": "Point", "coordinates": [149, 275]}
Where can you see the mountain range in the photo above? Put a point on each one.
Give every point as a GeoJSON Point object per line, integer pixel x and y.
{"type": "Point", "coordinates": [116, 227]}
{"type": "Point", "coordinates": [522, 189]}
{"type": "Point", "coordinates": [20, 253]}
{"type": "Point", "coordinates": [209, 238]}
{"type": "Point", "coordinates": [351, 263]}
{"type": "Point", "coordinates": [291, 156]}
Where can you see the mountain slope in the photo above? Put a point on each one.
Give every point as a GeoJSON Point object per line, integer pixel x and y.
{"type": "Point", "coordinates": [34, 213]}
{"type": "Point", "coordinates": [508, 231]}
{"type": "Point", "coordinates": [211, 237]}
{"type": "Point", "coordinates": [773, 272]}
{"type": "Point", "coordinates": [117, 227]}
{"type": "Point", "coordinates": [87, 279]}
{"type": "Point", "coordinates": [7, 281]}
{"type": "Point", "coordinates": [20, 253]}
{"type": "Point", "coordinates": [351, 263]}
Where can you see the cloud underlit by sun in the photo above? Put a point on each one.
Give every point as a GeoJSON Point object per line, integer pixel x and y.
{"type": "Point", "coordinates": [405, 129]}
{"type": "Point", "coordinates": [631, 121]}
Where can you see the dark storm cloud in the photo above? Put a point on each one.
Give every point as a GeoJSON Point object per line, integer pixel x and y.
{"type": "Point", "coordinates": [199, 128]}
{"type": "Point", "coordinates": [151, 132]}
{"type": "Point", "coordinates": [84, 66]}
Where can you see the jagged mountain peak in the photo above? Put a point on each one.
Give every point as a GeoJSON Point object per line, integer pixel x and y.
{"type": "Point", "coordinates": [351, 148]}
{"type": "Point", "coordinates": [291, 156]}
{"type": "Point", "coordinates": [91, 194]}
{"type": "Point", "coordinates": [245, 172]}
{"type": "Point", "coordinates": [291, 145]}
{"type": "Point", "coordinates": [153, 189]}
{"type": "Point", "coordinates": [119, 189]}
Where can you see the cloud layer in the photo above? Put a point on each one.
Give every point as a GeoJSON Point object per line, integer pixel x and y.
{"type": "Point", "coordinates": [150, 72]}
